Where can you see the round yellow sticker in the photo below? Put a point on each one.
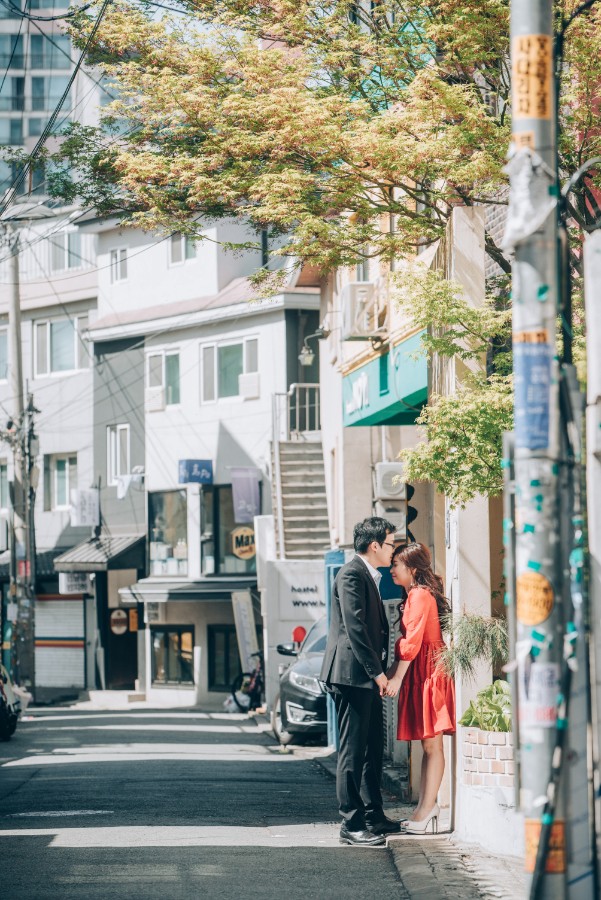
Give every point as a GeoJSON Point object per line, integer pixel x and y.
{"type": "Point", "coordinates": [534, 598]}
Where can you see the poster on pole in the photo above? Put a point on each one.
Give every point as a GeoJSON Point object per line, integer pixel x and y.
{"type": "Point", "coordinates": [246, 632]}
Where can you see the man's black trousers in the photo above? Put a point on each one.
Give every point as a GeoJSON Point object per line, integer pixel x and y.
{"type": "Point", "coordinates": [359, 771]}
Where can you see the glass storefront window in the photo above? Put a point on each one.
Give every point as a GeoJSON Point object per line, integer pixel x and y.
{"type": "Point", "coordinates": [173, 654]}
{"type": "Point", "coordinates": [226, 548]}
{"type": "Point", "coordinates": [168, 532]}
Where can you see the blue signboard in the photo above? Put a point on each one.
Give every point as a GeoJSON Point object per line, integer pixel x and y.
{"type": "Point", "coordinates": [532, 380]}
{"type": "Point", "coordinates": [195, 470]}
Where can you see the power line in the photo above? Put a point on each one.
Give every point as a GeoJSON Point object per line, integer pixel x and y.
{"type": "Point", "coordinates": [25, 15]}
{"type": "Point", "coordinates": [52, 120]}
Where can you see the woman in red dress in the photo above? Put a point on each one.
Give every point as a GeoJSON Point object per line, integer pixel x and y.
{"type": "Point", "coordinates": [426, 692]}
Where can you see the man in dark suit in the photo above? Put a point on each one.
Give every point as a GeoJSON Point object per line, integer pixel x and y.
{"type": "Point", "coordinates": [354, 672]}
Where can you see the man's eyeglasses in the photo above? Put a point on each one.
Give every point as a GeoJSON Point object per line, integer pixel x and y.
{"type": "Point", "coordinates": [387, 544]}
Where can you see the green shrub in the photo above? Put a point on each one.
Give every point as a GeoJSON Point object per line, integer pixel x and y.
{"type": "Point", "coordinates": [491, 710]}
{"type": "Point", "coordinates": [474, 639]}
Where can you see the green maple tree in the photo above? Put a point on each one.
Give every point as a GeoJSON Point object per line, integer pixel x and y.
{"type": "Point", "coordinates": [326, 121]}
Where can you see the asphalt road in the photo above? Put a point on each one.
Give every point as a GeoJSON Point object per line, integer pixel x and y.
{"type": "Point", "coordinates": [177, 805]}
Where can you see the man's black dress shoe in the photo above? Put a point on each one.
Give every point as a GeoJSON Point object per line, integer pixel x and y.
{"type": "Point", "coordinates": [384, 826]}
{"type": "Point", "coordinates": [361, 838]}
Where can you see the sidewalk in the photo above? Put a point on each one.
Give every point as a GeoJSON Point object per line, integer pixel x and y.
{"type": "Point", "coordinates": [434, 867]}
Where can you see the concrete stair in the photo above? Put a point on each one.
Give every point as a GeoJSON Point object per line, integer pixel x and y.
{"type": "Point", "coordinates": [304, 506]}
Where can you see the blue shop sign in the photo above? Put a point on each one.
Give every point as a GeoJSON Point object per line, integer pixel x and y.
{"type": "Point", "coordinates": [388, 390]}
{"type": "Point", "coordinates": [195, 470]}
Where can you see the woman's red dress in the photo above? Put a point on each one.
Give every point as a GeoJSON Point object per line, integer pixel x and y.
{"type": "Point", "coordinates": [427, 694]}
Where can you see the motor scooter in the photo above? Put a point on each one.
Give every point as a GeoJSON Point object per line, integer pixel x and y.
{"type": "Point", "coordinates": [10, 706]}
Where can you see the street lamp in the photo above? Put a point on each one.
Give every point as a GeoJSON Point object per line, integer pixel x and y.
{"type": "Point", "coordinates": [307, 356]}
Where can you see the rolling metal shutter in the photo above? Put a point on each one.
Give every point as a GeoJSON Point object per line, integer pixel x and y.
{"type": "Point", "coordinates": [60, 641]}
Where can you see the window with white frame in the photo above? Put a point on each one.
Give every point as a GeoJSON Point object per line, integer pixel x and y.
{"type": "Point", "coordinates": [181, 248]}
{"type": "Point", "coordinates": [59, 345]}
{"type": "Point", "coordinates": [65, 251]}
{"type": "Point", "coordinates": [222, 364]}
{"type": "Point", "coordinates": [118, 265]}
{"type": "Point", "coordinates": [3, 354]}
{"type": "Point", "coordinates": [117, 452]}
{"type": "Point", "coordinates": [60, 478]}
{"type": "Point", "coordinates": [162, 371]}
{"type": "Point", "coordinates": [3, 486]}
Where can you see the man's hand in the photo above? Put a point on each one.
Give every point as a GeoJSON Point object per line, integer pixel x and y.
{"type": "Point", "coordinates": [382, 682]}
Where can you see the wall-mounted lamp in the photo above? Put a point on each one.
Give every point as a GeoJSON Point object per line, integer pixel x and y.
{"type": "Point", "coordinates": [307, 356]}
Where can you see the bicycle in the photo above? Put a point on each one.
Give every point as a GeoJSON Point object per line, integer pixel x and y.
{"type": "Point", "coordinates": [251, 685]}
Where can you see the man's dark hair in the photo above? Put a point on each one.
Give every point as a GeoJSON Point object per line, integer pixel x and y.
{"type": "Point", "coordinates": [372, 529]}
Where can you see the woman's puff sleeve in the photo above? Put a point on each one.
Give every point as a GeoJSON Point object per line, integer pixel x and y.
{"type": "Point", "coordinates": [414, 621]}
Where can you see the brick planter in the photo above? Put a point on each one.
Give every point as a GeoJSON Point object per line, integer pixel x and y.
{"type": "Point", "coordinates": [487, 758]}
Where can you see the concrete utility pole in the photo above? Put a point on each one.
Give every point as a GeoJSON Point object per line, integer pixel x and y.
{"type": "Point", "coordinates": [20, 559]}
{"type": "Point", "coordinates": [538, 574]}
{"type": "Point", "coordinates": [544, 539]}
{"type": "Point", "coordinates": [20, 436]}
{"type": "Point", "coordinates": [592, 295]}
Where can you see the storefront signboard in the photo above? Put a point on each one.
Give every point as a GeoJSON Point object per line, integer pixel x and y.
{"type": "Point", "coordinates": [389, 389]}
{"type": "Point", "coordinates": [74, 583]}
{"type": "Point", "coordinates": [243, 542]}
{"type": "Point", "coordinates": [199, 471]}
{"type": "Point", "coordinates": [246, 632]}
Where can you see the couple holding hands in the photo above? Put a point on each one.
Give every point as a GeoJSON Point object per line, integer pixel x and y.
{"type": "Point", "coordinates": [356, 674]}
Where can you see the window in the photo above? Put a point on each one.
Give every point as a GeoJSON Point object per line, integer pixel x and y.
{"type": "Point", "coordinates": [362, 270]}
{"type": "Point", "coordinates": [224, 656]}
{"type": "Point", "coordinates": [12, 95]}
{"type": "Point", "coordinates": [181, 248]}
{"type": "Point", "coordinates": [172, 654]}
{"type": "Point", "coordinates": [50, 51]}
{"type": "Point", "coordinates": [226, 547]}
{"type": "Point", "coordinates": [65, 251]}
{"type": "Point", "coordinates": [46, 91]}
{"type": "Point", "coordinates": [118, 265]}
{"type": "Point", "coordinates": [168, 532]}
{"type": "Point", "coordinates": [60, 478]}
{"type": "Point", "coordinates": [3, 486]}
{"type": "Point", "coordinates": [11, 132]}
{"type": "Point", "coordinates": [3, 355]}
{"type": "Point", "coordinates": [222, 364]}
{"type": "Point", "coordinates": [11, 51]}
{"type": "Point", "coordinates": [59, 346]}
{"type": "Point", "coordinates": [163, 372]}
{"type": "Point", "coordinates": [117, 452]}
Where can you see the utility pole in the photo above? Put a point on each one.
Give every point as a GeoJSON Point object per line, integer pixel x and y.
{"type": "Point", "coordinates": [544, 528]}
{"type": "Point", "coordinates": [592, 295]}
{"type": "Point", "coordinates": [22, 567]}
{"type": "Point", "coordinates": [532, 235]}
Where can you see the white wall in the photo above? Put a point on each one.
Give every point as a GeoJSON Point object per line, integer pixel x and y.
{"type": "Point", "coordinates": [230, 431]}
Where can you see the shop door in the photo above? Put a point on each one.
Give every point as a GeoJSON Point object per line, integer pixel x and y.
{"type": "Point", "coordinates": [122, 656]}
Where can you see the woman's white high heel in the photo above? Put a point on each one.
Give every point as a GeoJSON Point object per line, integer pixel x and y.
{"type": "Point", "coordinates": [421, 827]}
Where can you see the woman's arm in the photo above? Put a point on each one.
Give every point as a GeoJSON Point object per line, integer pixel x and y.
{"type": "Point", "coordinates": [414, 620]}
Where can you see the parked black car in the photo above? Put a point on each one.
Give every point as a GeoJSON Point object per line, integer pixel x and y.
{"type": "Point", "coordinates": [300, 709]}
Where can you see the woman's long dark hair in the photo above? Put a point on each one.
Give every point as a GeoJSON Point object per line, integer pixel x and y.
{"type": "Point", "coordinates": [417, 558]}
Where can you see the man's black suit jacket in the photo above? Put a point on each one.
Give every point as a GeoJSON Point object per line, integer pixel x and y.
{"type": "Point", "coordinates": [358, 637]}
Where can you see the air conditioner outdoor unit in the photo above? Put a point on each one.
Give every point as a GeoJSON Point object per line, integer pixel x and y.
{"type": "Point", "coordinates": [388, 483]}
{"type": "Point", "coordinates": [359, 311]}
{"type": "Point", "coordinates": [155, 399]}
{"type": "Point", "coordinates": [248, 386]}
{"type": "Point", "coordinates": [395, 512]}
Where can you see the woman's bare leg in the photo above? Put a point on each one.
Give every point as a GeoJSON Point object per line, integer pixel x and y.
{"type": "Point", "coordinates": [431, 776]}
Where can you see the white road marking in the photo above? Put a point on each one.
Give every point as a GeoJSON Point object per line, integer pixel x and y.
{"type": "Point", "coordinates": [59, 813]}
{"type": "Point", "coordinates": [301, 835]}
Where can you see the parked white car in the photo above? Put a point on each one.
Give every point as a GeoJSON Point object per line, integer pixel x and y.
{"type": "Point", "coordinates": [10, 706]}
